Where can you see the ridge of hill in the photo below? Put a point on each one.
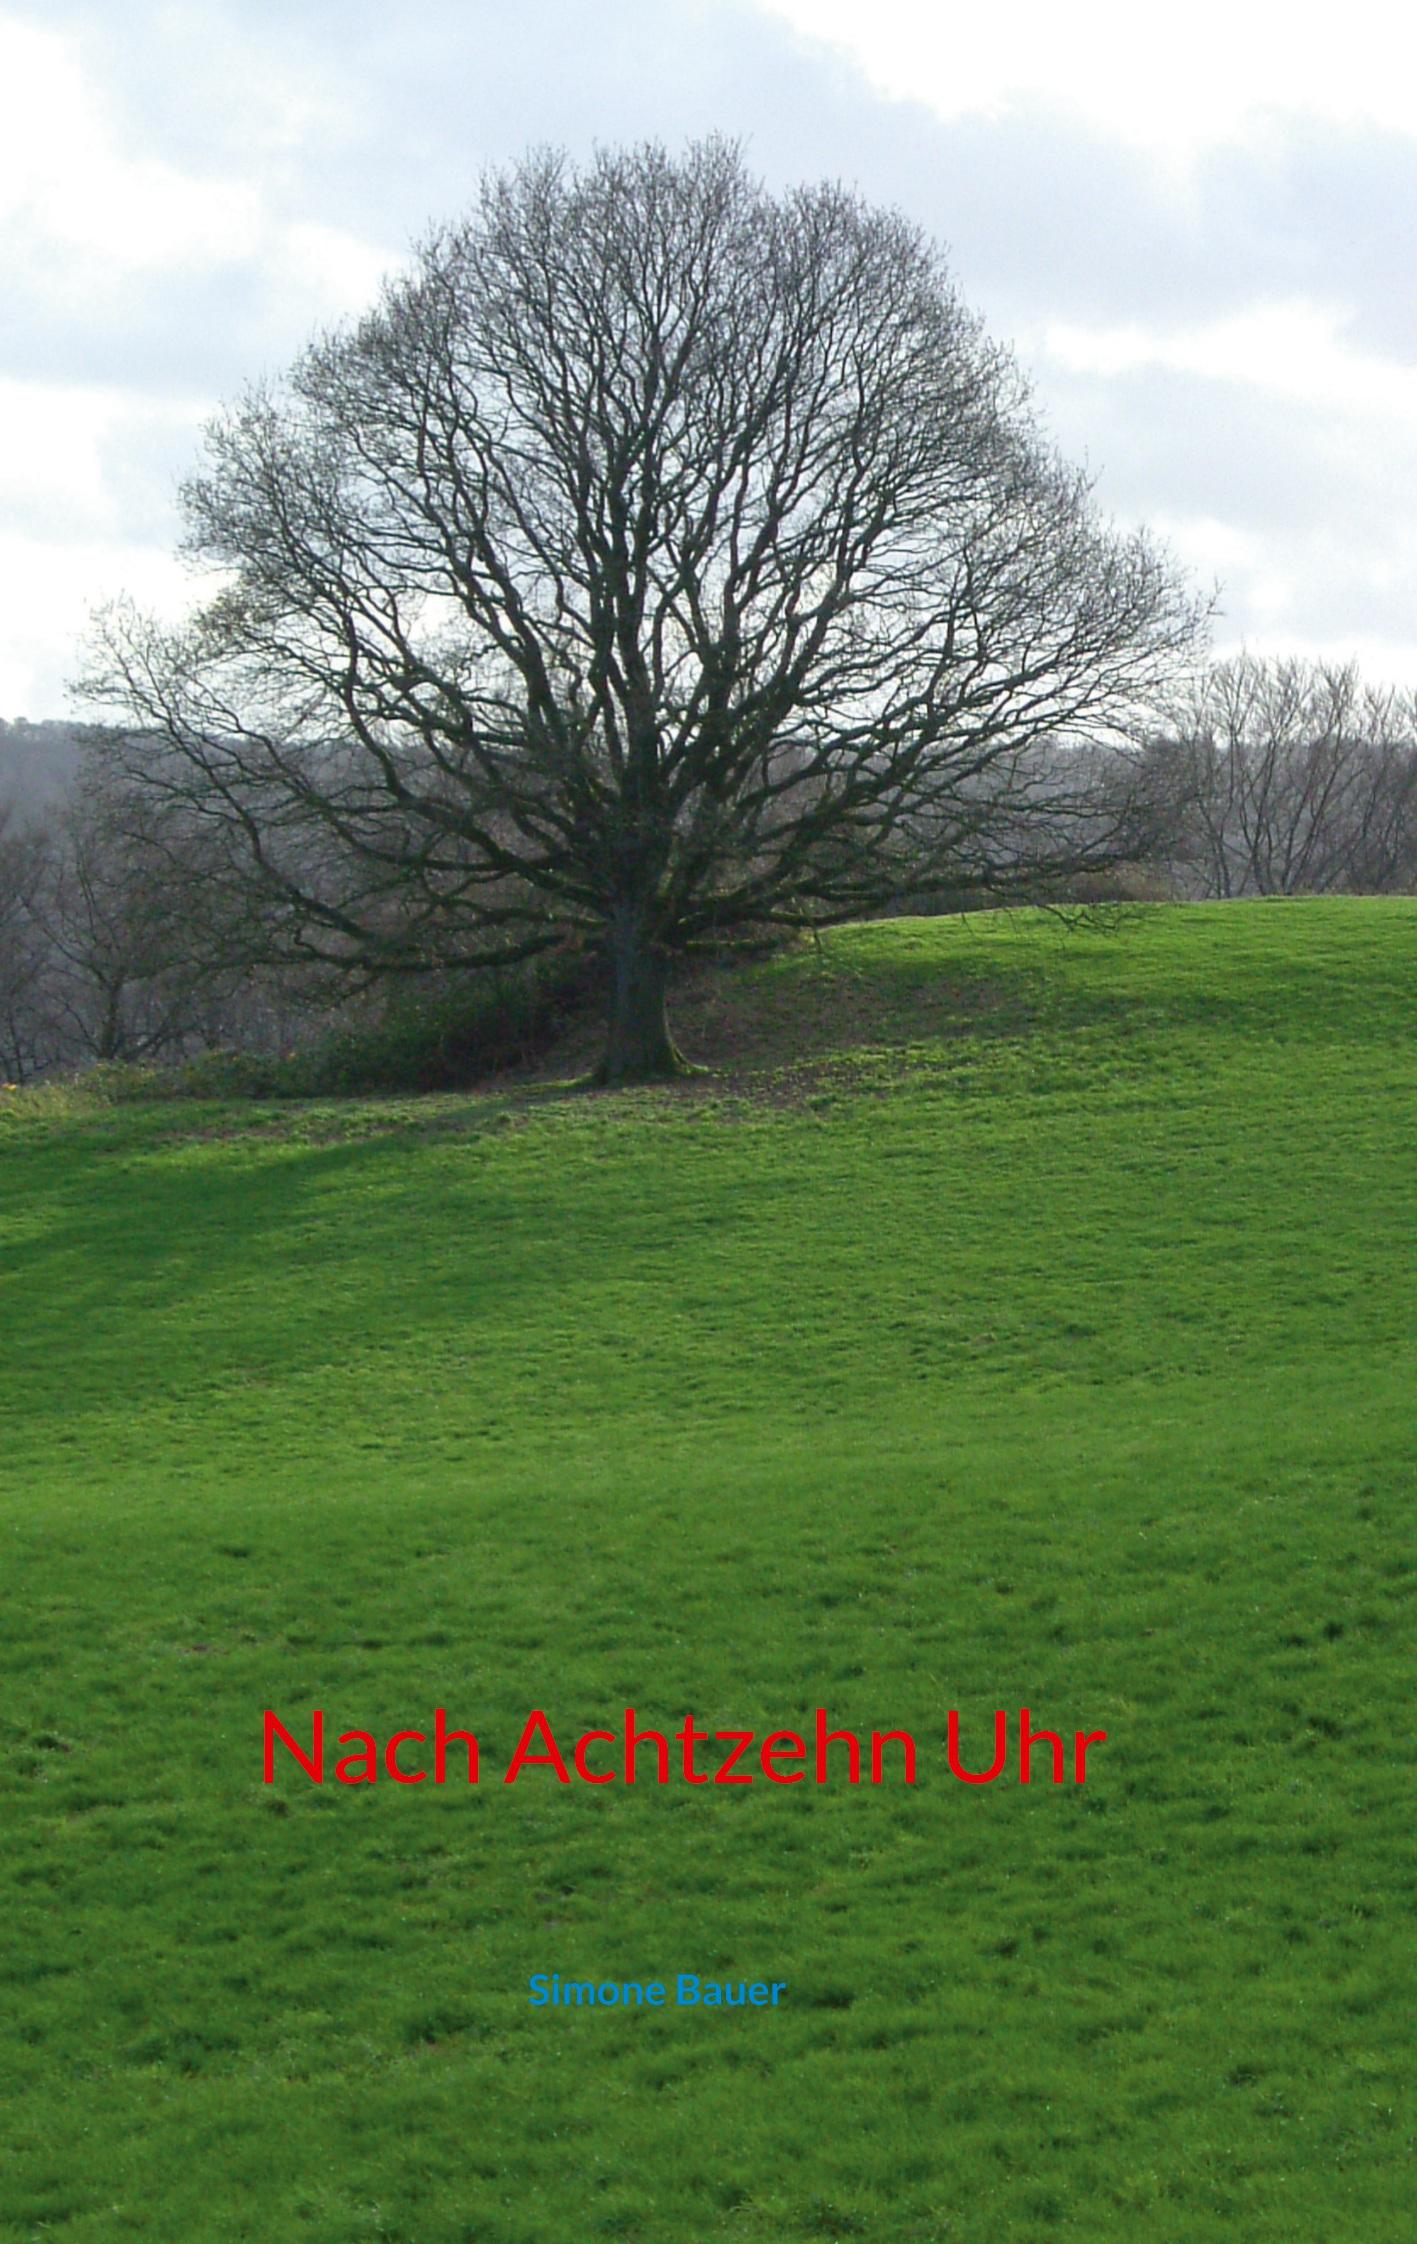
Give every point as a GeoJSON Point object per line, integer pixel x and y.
{"type": "Point", "coordinates": [38, 761]}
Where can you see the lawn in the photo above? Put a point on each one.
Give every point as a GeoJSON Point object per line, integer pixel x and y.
{"type": "Point", "coordinates": [1047, 1338]}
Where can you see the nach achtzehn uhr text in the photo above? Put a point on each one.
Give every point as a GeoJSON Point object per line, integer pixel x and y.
{"type": "Point", "coordinates": [1012, 1751]}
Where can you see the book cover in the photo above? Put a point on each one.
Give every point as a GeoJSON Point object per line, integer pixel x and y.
{"type": "Point", "coordinates": [705, 1175]}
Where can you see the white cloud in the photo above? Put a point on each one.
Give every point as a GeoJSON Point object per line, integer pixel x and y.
{"type": "Point", "coordinates": [1321, 592]}
{"type": "Point", "coordinates": [93, 222]}
{"type": "Point", "coordinates": [67, 184]}
{"type": "Point", "coordinates": [1292, 349]}
{"type": "Point", "coordinates": [1168, 80]}
{"type": "Point", "coordinates": [332, 274]}
{"type": "Point", "coordinates": [60, 443]}
{"type": "Point", "coordinates": [50, 588]}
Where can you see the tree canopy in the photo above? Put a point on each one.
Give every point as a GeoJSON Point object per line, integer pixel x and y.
{"type": "Point", "coordinates": [661, 559]}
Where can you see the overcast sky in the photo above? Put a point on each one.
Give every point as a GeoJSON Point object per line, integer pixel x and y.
{"type": "Point", "coordinates": [1198, 235]}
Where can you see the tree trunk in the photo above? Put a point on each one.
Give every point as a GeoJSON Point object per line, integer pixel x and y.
{"type": "Point", "coordinates": [639, 1047]}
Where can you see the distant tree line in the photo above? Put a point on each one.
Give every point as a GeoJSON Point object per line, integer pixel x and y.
{"type": "Point", "coordinates": [1287, 778]}
{"type": "Point", "coordinates": [109, 946]}
{"type": "Point", "coordinates": [122, 938]}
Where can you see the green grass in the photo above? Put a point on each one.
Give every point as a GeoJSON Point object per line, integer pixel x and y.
{"type": "Point", "coordinates": [1056, 1348]}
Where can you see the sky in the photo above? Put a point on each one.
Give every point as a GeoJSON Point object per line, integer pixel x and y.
{"type": "Point", "coordinates": [1196, 228]}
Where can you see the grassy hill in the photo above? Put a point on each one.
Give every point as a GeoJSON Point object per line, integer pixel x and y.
{"type": "Point", "coordinates": [1022, 1316]}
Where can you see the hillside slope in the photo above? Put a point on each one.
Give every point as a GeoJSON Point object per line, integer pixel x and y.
{"type": "Point", "coordinates": [1039, 1332]}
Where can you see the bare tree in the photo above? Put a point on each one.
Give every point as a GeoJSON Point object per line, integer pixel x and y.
{"type": "Point", "coordinates": [1291, 777]}
{"type": "Point", "coordinates": [659, 559]}
{"type": "Point", "coordinates": [30, 1038]}
{"type": "Point", "coordinates": [134, 951]}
